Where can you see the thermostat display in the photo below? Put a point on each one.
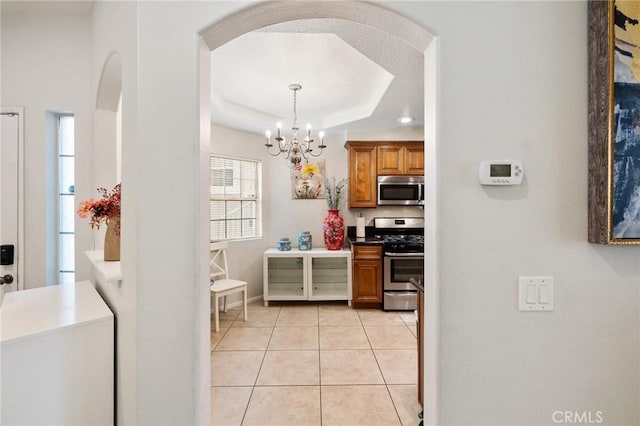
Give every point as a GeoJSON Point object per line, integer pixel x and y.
{"type": "Point", "coordinates": [500, 172]}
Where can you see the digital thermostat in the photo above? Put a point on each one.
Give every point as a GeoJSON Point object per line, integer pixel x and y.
{"type": "Point", "coordinates": [501, 172]}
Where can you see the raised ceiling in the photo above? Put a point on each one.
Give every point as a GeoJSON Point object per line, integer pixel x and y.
{"type": "Point", "coordinates": [354, 78]}
{"type": "Point", "coordinates": [47, 7]}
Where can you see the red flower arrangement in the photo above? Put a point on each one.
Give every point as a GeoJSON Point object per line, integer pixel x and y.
{"type": "Point", "coordinates": [102, 210]}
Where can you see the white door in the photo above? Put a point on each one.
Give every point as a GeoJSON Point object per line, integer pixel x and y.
{"type": "Point", "coordinates": [10, 196]}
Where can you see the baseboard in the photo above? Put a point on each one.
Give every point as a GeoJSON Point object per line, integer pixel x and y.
{"type": "Point", "coordinates": [236, 303]}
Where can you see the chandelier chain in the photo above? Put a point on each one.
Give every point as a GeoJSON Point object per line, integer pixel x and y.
{"type": "Point", "coordinates": [295, 109]}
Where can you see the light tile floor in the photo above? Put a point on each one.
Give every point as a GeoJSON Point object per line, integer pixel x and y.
{"type": "Point", "coordinates": [314, 364]}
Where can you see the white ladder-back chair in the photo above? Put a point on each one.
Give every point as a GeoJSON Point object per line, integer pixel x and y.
{"type": "Point", "coordinates": [221, 284]}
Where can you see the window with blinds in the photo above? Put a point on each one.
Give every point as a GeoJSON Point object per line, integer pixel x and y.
{"type": "Point", "coordinates": [235, 198]}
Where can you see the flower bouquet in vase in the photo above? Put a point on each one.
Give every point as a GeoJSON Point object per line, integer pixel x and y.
{"type": "Point", "coordinates": [105, 210]}
{"type": "Point", "coordinates": [333, 224]}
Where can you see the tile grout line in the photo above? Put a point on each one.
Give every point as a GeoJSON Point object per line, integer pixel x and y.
{"type": "Point", "coordinates": [319, 368]}
{"type": "Point", "coordinates": [253, 388]}
{"type": "Point", "coordinates": [386, 385]}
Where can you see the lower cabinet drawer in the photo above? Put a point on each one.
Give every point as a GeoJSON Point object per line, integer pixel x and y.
{"type": "Point", "coordinates": [400, 301]}
{"type": "Point", "coordinates": [367, 252]}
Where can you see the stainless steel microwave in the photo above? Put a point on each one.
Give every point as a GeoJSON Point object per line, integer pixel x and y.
{"type": "Point", "coordinates": [400, 190]}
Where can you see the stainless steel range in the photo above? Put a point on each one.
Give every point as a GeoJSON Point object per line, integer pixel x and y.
{"type": "Point", "coordinates": [403, 247]}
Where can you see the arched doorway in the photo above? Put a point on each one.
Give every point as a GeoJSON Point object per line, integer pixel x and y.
{"type": "Point", "coordinates": [270, 13]}
{"type": "Point", "coordinates": [108, 121]}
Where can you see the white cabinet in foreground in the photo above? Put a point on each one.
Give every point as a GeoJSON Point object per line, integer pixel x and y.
{"type": "Point", "coordinates": [57, 363]}
{"type": "Point", "coordinates": [316, 274]}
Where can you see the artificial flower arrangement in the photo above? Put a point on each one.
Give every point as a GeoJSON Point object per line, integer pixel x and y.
{"type": "Point", "coordinates": [334, 192]}
{"type": "Point", "coordinates": [103, 209]}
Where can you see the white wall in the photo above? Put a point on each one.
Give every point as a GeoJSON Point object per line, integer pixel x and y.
{"type": "Point", "coordinates": [45, 67]}
{"type": "Point", "coordinates": [122, 298]}
{"type": "Point", "coordinates": [166, 177]}
{"type": "Point", "coordinates": [287, 216]}
{"type": "Point", "coordinates": [513, 83]}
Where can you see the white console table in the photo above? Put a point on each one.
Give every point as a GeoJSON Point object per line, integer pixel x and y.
{"type": "Point", "coordinates": [57, 363]}
{"type": "Point", "coordinates": [317, 274]}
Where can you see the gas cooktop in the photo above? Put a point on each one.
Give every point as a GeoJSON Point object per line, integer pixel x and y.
{"type": "Point", "coordinates": [400, 235]}
{"type": "Point", "coordinates": [402, 238]}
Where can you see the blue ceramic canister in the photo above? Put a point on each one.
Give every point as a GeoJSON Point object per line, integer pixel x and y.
{"type": "Point", "coordinates": [284, 244]}
{"type": "Point", "coordinates": [304, 240]}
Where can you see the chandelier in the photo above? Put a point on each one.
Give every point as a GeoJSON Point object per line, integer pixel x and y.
{"type": "Point", "coordinates": [294, 150]}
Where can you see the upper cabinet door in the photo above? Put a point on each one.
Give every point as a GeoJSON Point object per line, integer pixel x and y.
{"type": "Point", "coordinates": [362, 175]}
{"type": "Point", "coordinates": [390, 160]}
{"type": "Point", "coordinates": [414, 159]}
{"type": "Point", "coordinates": [401, 158]}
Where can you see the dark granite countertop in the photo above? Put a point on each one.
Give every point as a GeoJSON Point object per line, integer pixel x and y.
{"type": "Point", "coordinates": [364, 240]}
{"type": "Point", "coordinates": [369, 238]}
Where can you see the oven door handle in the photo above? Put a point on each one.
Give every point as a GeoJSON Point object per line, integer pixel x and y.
{"type": "Point", "coordinates": [415, 255]}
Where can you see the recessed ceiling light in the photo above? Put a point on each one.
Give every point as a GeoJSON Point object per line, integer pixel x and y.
{"type": "Point", "coordinates": [405, 120]}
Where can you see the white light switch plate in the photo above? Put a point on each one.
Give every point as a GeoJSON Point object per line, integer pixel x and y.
{"type": "Point", "coordinates": [535, 294]}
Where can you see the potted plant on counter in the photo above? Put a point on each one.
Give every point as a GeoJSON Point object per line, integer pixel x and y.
{"type": "Point", "coordinates": [105, 210]}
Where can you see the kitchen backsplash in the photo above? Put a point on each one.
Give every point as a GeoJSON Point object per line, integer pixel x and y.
{"type": "Point", "coordinates": [349, 215]}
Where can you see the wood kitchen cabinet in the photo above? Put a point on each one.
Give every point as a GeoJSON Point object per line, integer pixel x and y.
{"type": "Point", "coordinates": [400, 158]}
{"type": "Point", "coordinates": [367, 276]}
{"type": "Point", "coordinates": [362, 174]}
{"type": "Point", "coordinates": [368, 160]}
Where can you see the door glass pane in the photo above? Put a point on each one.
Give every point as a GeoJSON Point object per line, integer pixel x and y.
{"type": "Point", "coordinates": [66, 135]}
{"type": "Point", "coordinates": [66, 252]}
{"type": "Point", "coordinates": [66, 189]}
{"type": "Point", "coordinates": [66, 175]}
{"type": "Point", "coordinates": [67, 213]}
{"type": "Point", "coordinates": [67, 277]}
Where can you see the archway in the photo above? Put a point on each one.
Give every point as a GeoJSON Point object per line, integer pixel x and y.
{"type": "Point", "coordinates": [107, 171]}
{"type": "Point", "coordinates": [108, 118]}
{"type": "Point", "coordinates": [269, 13]}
